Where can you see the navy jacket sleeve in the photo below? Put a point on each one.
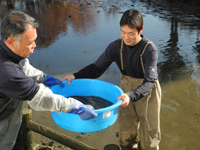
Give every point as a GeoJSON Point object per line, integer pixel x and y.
{"type": "Point", "coordinates": [16, 84]}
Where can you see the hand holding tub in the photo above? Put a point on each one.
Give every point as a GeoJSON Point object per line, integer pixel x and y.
{"type": "Point", "coordinates": [125, 100]}
{"type": "Point", "coordinates": [51, 81]}
{"type": "Point", "coordinates": [85, 112]}
{"type": "Point", "coordinates": [69, 78]}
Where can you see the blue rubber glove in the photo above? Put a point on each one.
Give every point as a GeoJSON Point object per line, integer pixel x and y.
{"type": "Point", "coordinates": [51, 81]}
{"type": "Point", "coordinates": [85, 112]}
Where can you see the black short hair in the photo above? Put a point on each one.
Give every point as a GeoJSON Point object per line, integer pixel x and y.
{"type": "Point", "coordinates": [133, 18]}
{"type": "Point", "coordinates": [16, 23]}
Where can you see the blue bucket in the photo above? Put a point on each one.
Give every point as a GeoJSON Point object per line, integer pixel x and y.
{"type": "Point", "coordinates": [88, 87]}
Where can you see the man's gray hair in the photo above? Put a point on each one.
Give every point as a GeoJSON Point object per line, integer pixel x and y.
{"type": "Point", "coordinates": [16, 23]}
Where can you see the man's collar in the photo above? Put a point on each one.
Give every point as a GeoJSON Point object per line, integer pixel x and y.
{"type": "Point", "coordinates": [10, 53]}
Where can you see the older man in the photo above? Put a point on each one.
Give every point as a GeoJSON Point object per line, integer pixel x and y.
{"type": "Point", "coordinates": [20, 81]}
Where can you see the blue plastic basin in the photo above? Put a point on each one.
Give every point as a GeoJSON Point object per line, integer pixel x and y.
{"type": "Point", "coordinates": [88, 87]}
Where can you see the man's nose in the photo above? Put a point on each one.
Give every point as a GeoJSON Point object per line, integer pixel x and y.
{"type": "Point", "coordinates": [34, 44]}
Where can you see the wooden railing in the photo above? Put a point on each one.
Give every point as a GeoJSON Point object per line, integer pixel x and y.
{"type": "Point", "coordinates": [28, 125]}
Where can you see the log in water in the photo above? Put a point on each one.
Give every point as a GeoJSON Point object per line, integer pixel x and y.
{"type": "Point", "coordinates": [95, 101]}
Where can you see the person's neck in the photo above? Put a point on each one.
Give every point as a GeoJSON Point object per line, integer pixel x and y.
{"type": "Point", "coordinates": [138, 41]}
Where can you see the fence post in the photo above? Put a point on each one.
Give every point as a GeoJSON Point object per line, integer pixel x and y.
{"type": "Point", "coordinates": [28, 140]}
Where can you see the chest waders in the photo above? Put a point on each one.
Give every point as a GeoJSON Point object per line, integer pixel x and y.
{"type": "Point", "coordinates": [142, 116]}
{"type": "Point", "coordinates": [10, 122]}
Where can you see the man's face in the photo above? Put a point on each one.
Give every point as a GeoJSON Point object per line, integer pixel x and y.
{"type": "Point", "coordinates": [130, 36]}
{"type": "Point", "coordinates": [26, 45]}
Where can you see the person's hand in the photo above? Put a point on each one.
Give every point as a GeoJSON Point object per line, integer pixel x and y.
{"type": "Point", "coordinates": [69, 78]}
{"type": "Point", "coordinates": [51, 81]}
{"type": "Point", "coordinates": [125, 100]}
{"type": "Point", "coordinates": [85, 112]}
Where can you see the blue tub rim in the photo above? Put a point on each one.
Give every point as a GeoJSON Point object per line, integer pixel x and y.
{"type": "Point", "coordinates": [102, 110]}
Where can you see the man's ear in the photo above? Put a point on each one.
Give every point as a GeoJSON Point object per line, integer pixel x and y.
{"type": "Point", "coordinates": [141, 30]}
{"type": "Point", "coordinates": [11, 43]}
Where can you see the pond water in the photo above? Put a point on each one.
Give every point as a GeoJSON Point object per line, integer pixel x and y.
{"type": "Point", "coordinates": [73, 33]}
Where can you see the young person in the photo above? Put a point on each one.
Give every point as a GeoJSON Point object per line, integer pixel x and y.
{"type": "Point", "coordinates": [136, 57]}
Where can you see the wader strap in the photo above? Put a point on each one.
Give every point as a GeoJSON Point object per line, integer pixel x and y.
{"type": "Point", "coordinates": [121, 54]}
{"type": "Point", "coordinates": [141, 56]}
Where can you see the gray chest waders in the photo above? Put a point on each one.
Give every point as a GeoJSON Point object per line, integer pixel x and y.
{"type": "Point", "coordinates": [142, 116]}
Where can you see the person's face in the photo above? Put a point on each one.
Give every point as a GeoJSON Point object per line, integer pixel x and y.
{"type": "Point", "coordinates": [25, 46]}
{"type": "Point", "coordinates": [130, 36]}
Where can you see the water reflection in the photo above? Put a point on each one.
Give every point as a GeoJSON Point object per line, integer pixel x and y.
{"type": "Point", "coordinates": [55, 17]}
{"type": "Point", "coordinates": [173, 61]}
{"type": "Point", "coordinates": [197, 49]}
{"type": "Point", "coordinates": [73, 33]}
